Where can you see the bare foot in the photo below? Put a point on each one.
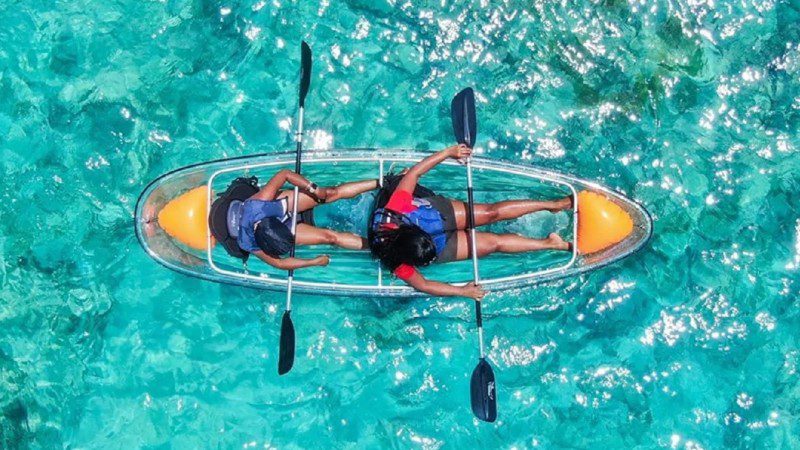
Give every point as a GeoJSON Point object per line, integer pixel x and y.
{"type": "Point", "coordinates": [562, 204]}
{"type": "Point", "coordinates": [555, 242]}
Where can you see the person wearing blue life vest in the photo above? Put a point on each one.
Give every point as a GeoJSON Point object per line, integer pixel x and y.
{"type": "Point", "coordinates": [261, 223]}
{"type": "Point", "coordinates": [411, 227]}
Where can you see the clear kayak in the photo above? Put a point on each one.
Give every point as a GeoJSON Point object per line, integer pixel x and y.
{"type": "Point", "coordinates": [355, 273]}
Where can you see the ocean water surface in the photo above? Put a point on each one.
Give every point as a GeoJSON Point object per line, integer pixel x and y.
{"type": "Point", "coordinates": [691, 107]}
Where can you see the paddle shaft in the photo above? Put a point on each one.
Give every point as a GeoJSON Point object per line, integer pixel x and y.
{"type": "Point", "coordinates": [297, 167]}
{"type": "Point", "coordinates": [474, 252]}
{"type": "Point", "coordinates": [471, 223]}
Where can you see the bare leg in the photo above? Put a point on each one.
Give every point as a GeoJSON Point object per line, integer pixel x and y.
{"type": "Point", "coordinates": [486, 213]}
{"type": "Point", "coordinates": [310, 235]}
{"type": "Point", "coordinates": [489, 243]}
{"type": "Point", "coordinates": [304, 203]}
{"type": "Point", "coordinates": [346, 190]}
{"type": "Point", "coordinates": [350, 190]}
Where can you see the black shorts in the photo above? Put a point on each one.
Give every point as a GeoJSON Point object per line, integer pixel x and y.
{"type": "Point", "coordinates": [445, 208]}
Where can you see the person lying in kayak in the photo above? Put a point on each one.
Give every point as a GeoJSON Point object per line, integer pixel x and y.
{"type": "Point", "coordinates": [412, 227]}
{"type": "Point", "coordinates": [265, 219]}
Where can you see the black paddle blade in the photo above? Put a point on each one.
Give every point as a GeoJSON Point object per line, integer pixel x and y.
{"type": "Point", "coordinates": [305, 72]}
{"type": "Point", "coordinates": [462, 111]}
{"type": "Point", "coordinates": [482, 392]}
{"type": "Point", "coordinates": [286, 352]}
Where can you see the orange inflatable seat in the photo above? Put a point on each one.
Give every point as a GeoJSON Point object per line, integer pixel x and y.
{"type": "Point", "coordinates": [601, 222]}
{"type": "Point", "coordinates": [185, 218]}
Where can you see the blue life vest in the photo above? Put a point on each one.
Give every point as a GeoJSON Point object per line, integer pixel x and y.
{"type": "Point", "coordinates": [251, 212]}
{"type": "Point", "coordinates": [426, 217]}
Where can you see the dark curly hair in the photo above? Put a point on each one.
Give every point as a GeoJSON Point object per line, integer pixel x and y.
{"type": "Point", "coordinates": [407, 244]}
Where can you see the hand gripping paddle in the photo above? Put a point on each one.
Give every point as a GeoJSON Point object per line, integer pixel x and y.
{"type": "Point", "coordinates": [482, 386]}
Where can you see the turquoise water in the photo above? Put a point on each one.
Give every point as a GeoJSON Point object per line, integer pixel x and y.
{"type": "Point", "coordinates": [691, 107]}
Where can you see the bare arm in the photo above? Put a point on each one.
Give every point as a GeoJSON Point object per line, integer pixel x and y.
{"type": "Point", "coordinates": [270, 190]}
{"type": "Point", "coordinates": [292, 263]}
{"type": "Point", "coordinates": [411, 178]}
{"type": "Point", "coordinates": [439, 289]}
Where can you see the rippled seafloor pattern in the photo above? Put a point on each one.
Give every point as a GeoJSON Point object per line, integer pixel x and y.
{"type": "Point", "coordinates": [691, 107]}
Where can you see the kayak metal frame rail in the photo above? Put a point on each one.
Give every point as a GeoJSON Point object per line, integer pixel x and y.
{"type": "Point", "coordinates": [407, 157]}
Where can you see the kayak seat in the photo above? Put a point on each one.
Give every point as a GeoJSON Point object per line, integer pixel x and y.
{"type": "Point", "coordinates": [601, 223]}
{"type": "Point", "coordinates": [240, 189]}
{"type": "Point", "coordinates": [184, 218]}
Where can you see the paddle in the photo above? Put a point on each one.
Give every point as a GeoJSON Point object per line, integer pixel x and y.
{"type": "Point", "coordinates": [482, 385]}
{"type": "Point", "coordinates": [287, 341]}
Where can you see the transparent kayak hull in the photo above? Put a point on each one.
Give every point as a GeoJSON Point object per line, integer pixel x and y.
{"type": "Point", "coordinates": [354, 273]}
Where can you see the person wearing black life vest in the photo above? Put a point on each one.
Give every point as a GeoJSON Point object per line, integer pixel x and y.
{"type": "Point", "coordinates": [413, 227]}
{"type": "Point", "coordinates": [262, 222]}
